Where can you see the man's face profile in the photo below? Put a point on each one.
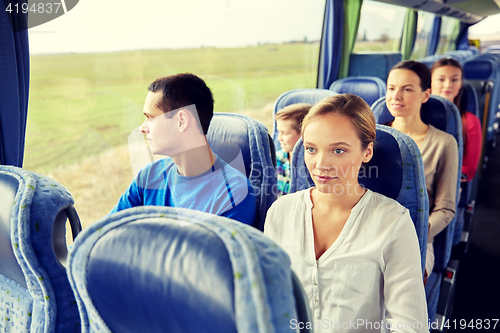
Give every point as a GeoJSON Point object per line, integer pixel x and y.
{"type": "Point", "coordinates": [160, 131]}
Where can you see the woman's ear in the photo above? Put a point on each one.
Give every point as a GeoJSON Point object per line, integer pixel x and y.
{"type": "Point", "coordinates": [368, 153]}
{"type": "Point", "coordinates": [426, 95]}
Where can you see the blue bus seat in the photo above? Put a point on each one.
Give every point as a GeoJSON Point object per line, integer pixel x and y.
{"type": "Point", "coordinates": [307, 95]}
{"type": "Point", "coordinates": [483, 73]}
{"type": "Point", "coordinates": [429, 60]}
{"type": "Point", "coordinates": [373, 64]}
{"type": "Point", "coordinates": [443, 115]}
{"type": "Point", "coordinates": [492, 49]}
{"type": "Point", "coordinates": [399, 174]}
{"type": "Point", "coordinates": [160, 269]}
{"type": "Point", "coordinates": [232, 134]}
{"type": "Point", "coordinates": [464, 55]}
{"type": "Point", "coordinates": [369, 88]}
{"type": "Point", "coordinates": [36, 295]}
{"type": "Point", "coordinates": [470, 103]}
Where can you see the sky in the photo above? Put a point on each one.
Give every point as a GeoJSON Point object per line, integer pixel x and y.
{"type": "Point", "coordinates": [114, 25]}
{"type": "Point", "coordinates": [111, 25]}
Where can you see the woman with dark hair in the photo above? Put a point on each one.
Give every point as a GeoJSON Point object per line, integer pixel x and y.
{"type": "Point", "coordinates": [408, 87]}
{"type": "Point", "coordinates": [447, 78]}
{"type": "Point", "coordinates": [355, 251]}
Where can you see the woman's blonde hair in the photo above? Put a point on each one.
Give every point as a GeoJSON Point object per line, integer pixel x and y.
{"type": "Point", "coordinates": [351, 106]}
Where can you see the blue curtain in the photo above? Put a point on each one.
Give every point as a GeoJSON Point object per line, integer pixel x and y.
{"type": "Point", "coordinates": [331, 43]}
{"type": "Point", "coordinates": [462, 41]}
{"type": "Point", "coordinates": [434, 37]}
{"type": "Point", "coordinates": [14, 83]}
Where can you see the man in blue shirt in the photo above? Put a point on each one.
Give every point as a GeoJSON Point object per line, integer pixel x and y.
{"type": "Point", "coordinates": [178, 112]}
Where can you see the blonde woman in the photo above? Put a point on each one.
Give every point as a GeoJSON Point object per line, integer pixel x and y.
{"type": "Point", "coordinates": [355, 251]}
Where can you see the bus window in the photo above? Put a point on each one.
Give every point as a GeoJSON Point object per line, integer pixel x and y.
{"type": "Point", "coordinates": [89, 78]}
{"type": "Point", "coordinates": [424, 27]}
{"type": "Point", "coordinates": [446, 41]}
{"type": "Point", "coordinates": [380, 27]}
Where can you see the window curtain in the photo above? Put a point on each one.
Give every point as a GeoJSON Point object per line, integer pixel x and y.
{"type": "Point", "coordinates": [331, 43]}
{"type": "Point", "coordinates": [14, 83]}
{"type": "Point", "coordinates": [434, 40]}
{"type": "Point", "coordinates": [409, 34]}
{"type": "Point", "coordinates": [352, 9]}
{"type": "Point", "coordinates": [462, 37]}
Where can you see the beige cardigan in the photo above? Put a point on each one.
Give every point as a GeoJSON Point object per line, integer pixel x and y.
{"type": "Point", "coordinates": [440, 156]}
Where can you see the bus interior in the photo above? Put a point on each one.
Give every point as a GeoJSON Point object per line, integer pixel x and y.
{"type": "Point", "coordinates": [73, 84]}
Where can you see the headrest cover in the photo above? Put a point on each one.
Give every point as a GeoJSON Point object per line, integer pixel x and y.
{"type": "Point", "coordinates": [369, 88]}
{"type": "Point", "coordinates": [384, 172]}
{"type": "Point", "coordinates": [180, 267]}
{"type": "Point", "coordinates": [151, 275]}
{"type": "Point", "coordinates": [478, 69]}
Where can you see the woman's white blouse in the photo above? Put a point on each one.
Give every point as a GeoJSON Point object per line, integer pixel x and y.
{"type": "Point", "coordinates": [370, 277]}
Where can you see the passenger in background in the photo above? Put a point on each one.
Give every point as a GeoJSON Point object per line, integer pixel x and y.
{"type": "Point", "coordinates": [408, 87]}
{"type": "Point", "coordinates": [178, 112]}
{"type": "Point", "coordinates": [355, 251]}
{"type": "Point", "coordinates": [447, 77]}
{"type": "Point", "coordinates": [288, 121]}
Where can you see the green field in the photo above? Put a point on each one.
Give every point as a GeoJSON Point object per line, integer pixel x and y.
{"type": "Point", "coordinates": [83, 104]}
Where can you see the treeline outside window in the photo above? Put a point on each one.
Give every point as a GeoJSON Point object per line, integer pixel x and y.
{"type": "Point", "coordinates": [90, 70]}
{"type": "Point", "coordinates": [380, 27]}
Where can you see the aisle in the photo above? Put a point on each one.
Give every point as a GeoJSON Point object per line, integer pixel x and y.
{"type": "Point", "coordinates": [478, 284]}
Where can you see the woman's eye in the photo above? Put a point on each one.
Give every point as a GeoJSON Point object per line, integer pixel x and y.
{"type": "Point", "coordinates": [339, 151]}
{"type": "Point", "coordinates": [310, 150]}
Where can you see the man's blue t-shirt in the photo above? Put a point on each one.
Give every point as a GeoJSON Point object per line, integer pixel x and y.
{"type": "Point", "coordinates": [222, 190]}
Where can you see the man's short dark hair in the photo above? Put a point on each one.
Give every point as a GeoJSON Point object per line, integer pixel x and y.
{"type": "Point", "coordinates": [182, 90]}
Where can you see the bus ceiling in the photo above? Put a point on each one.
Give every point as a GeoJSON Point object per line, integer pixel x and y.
{"type": "Point", "coordinates": [467, 11]}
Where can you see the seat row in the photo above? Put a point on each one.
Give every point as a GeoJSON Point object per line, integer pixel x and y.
{"type": "Point", "coordinates": [38, 297]}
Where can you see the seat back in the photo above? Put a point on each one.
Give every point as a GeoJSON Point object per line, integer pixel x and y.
{"type": "Point", "coordinates": [159, 269]}
{"type": "Point", "coordinates": [369, 88]}
{"type": "Point", "coordinates": [443, 115]}
{"type": "Point", "coordinates": [245, 144]}
{"type": "Point", "coordinates": [492, 49]}
{"type": "Point", "coordinates": [309, 95]}
{"type": "Point", "coordinates": [396, 170]}
{"type": "Point", "coordinates": [469, 101]}
{"type": "Point", "coordinates": [34, 250]}
{"type": "Point", "coordinates": [373, 64]}
{"type": "Point", "coordinates": [483, 73]}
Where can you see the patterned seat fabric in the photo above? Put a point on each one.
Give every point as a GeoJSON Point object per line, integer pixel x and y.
{"type": "Point", "coordinates": [245, 144]}
{"type": "Point", "coordinates": [38, 297]}
{"type": "Point", "coordinates": [369, 88]}
{"type": "Point", "coordinates": [159, 269]}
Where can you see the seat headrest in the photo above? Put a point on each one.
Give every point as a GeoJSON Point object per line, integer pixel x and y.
{"type": "Point", "coordinates": [158, 269]}
{"type": "Point", "coordinates": [369, 88]}
{"type": "Point", "coordinates": [384, 172]}
{"type": "Point", "coordinates": [174, 277]}
{"type": "Point", "coordinates": [479, 69]}
{"type": "Point", "coordinates": [9, 267]}
{"type": "Point", "coordinates": [311, 96]}
{"type": "Point", "coordinates": [227, 136]}
{"type": "Point", "coordinates": [469, 101]}
{"type": "Point", "coordinates": [433, 112]}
